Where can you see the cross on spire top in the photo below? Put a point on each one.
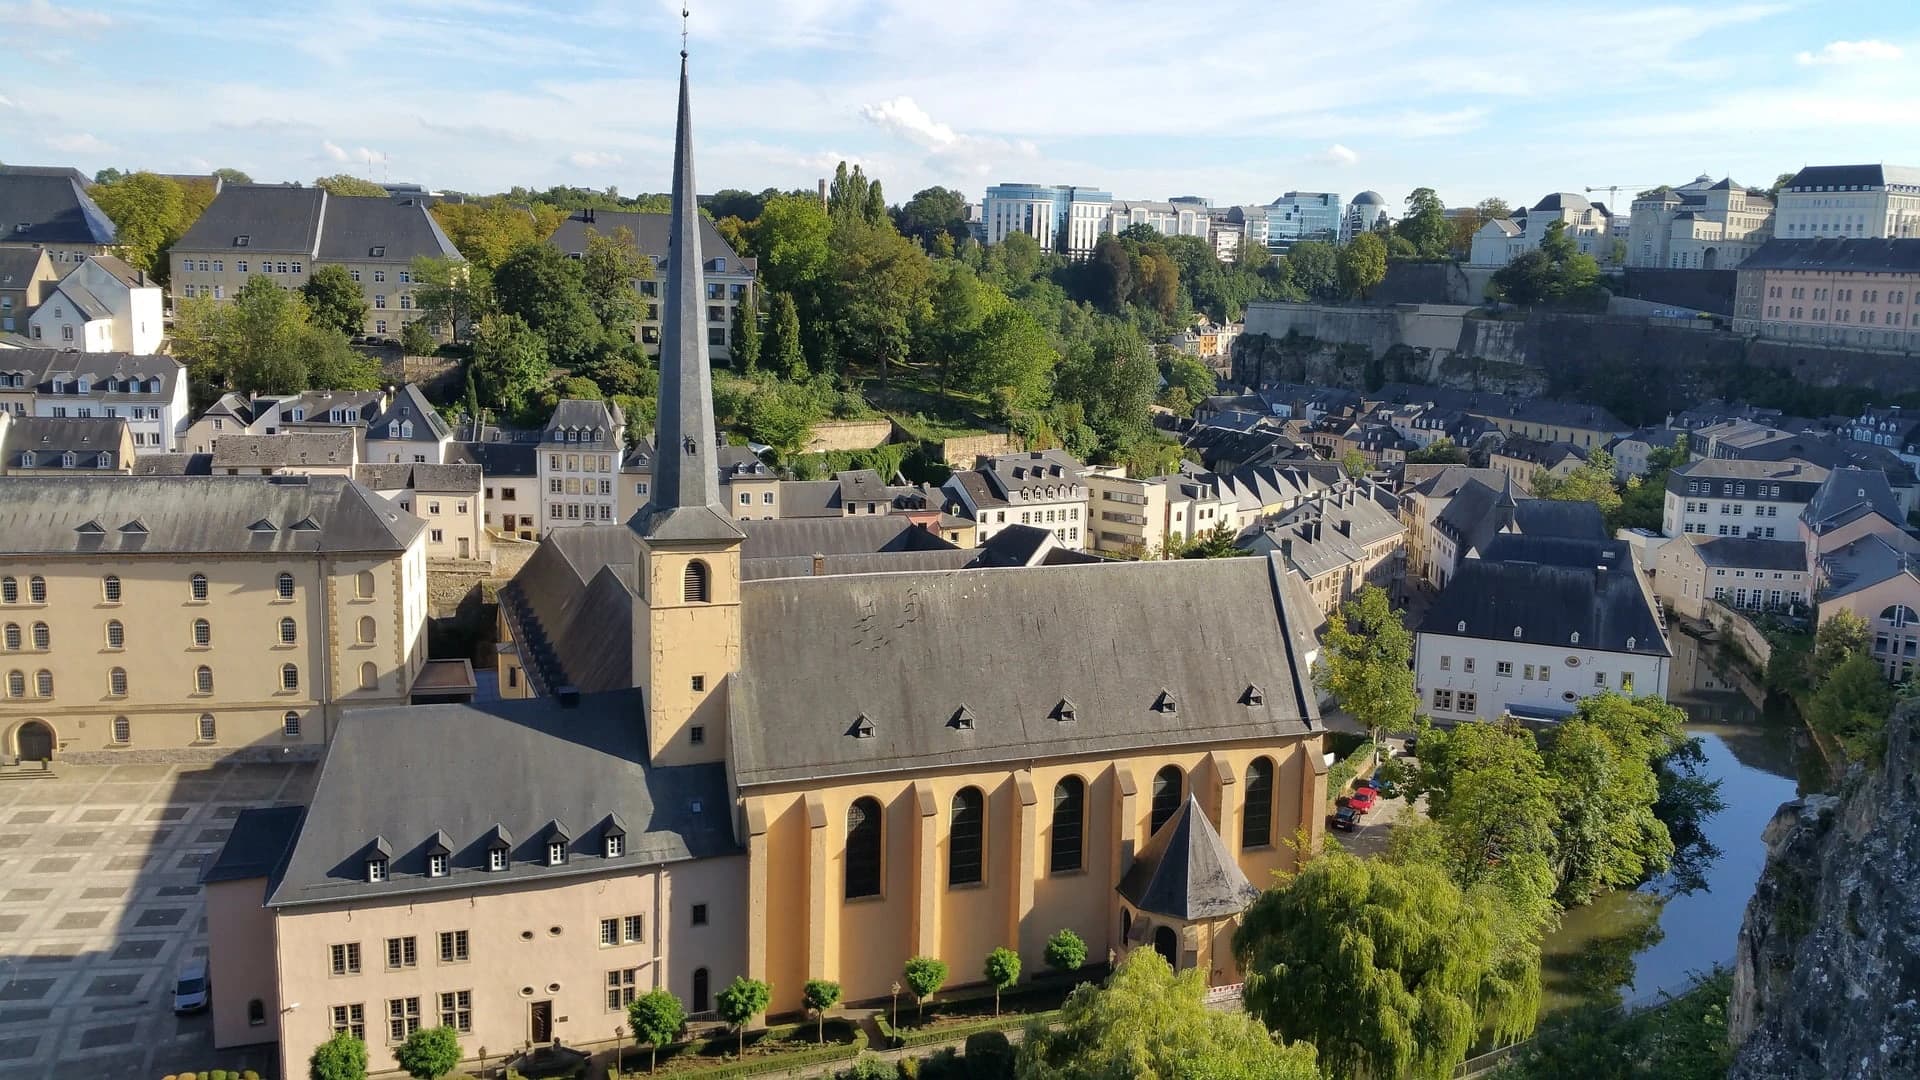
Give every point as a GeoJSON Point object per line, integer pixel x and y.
{"type": "Point", "coordinates": [684, 15]}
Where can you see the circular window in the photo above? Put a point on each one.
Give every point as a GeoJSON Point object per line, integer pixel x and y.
{"type": "Point", "coordinates": [553, 988]}
{"type": "Point", "coordinates": [554, 930]}
{"type": "Point", "coordinates": [1573, 661]}
{"type": "Point", "coordinates": [1569, 696]}
{"type": "Point", "coordinates": [526, 935]}
{"type": "Point", "coordinates": [526, 991]}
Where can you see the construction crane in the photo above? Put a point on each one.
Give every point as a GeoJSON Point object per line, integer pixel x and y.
{"type": "Point", "coordinates": [1613, 192]}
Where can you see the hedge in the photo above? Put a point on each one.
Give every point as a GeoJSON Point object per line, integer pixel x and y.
{"type": "Point", "coordinates": [776, 1062]}
{"type": "Point", "coordinates": [909, 1039]}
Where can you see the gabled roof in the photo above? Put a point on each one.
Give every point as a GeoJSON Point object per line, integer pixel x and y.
{"type": "Point", "coordinates": [409, 405]}
{"type": "Point", "coordinates": [862, 534]}
{"type": "Point", "coordinates": [49, 438]}
{"type": "Point", "coordinates": [1739, 551]}
{"type": "Point", "coordinates": [1864, 563]}
{"type": "Point", "coordinates": [256, 845]}
{"type": "Point", "coordinates": [54, 205]}
{"type": "Point", "coordinates": [1852, 178]}
{"type": "Point", "coordinates": [502, 459]}
{"type": "Point", "coordinates": [1848, 489]}
{"type": "Point", "coordinates": [425, 478]}
{"type": "Point", "coordinates": [649, 231]}
{"type": "Point", "coordinates": [1186, 872]}
{"type": "Point", "coordinates": [197, 515]}
{"type": "Point", "coordinates": [18, 264]}
{"type": "Point", "coordinates": [1600, 605]}
{"type": "Point", "coordinates": [595, 425]}
{"type": "Point", "coordinates": [287, 449]}
{"type": "Point", "coordinates": [173, 465]}
{"type": "Point", "coordinates": [274, 218]}
{"type": "Point", "coordinates": [411, 773]}
{"type": "Point", "coordinates": [1833, 253]}
{"type": "Point", "coordinates": [102, 371]}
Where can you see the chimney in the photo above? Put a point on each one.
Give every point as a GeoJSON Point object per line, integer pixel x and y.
{"type": "Point", "coordinates": [823, 191]}
{"type": "Point", "coordinates": [819, 564]}
{"type": "Point", "coordinates": [1286, 547]}
{"type": "Point", "coordinates": [568, 696]}
{"type": "Point", "coordinates": [1345, 526]}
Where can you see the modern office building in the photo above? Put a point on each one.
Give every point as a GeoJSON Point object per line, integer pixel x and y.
{"type": "Point", "coordinates": [1303, 215]}
{"type": "Point", "coordinates": [1044, 211]}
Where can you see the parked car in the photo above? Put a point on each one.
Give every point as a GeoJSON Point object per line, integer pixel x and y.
{"type": "Point", "coordinates": [1387, 788]}
{"type": "Point", "coordinates": [1367, 782]}
{"type": "Point", "coordinates": [190, 994]}
{"type": "Point", "coordinates": [1363, 800]}
{"type": "Point", "coordinates": [1346, 819]}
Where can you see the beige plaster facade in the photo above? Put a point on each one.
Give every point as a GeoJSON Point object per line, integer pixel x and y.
{"type": "Point", "coordinates": [1863, 308]}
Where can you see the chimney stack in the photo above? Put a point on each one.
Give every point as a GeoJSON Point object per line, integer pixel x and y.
{"type": "Point", "coordinates": [819, 564]}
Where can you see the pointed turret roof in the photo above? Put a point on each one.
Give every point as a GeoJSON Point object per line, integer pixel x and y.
{"type": "Point", "coordinates": [685, 501]}
{"type": "Point", "coordinates": [1186, 872]}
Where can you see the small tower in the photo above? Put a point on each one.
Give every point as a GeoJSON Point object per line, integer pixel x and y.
{"type": "Point", "coordinates": [686, 635]}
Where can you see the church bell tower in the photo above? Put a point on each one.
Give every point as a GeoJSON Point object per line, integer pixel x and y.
{"type": "Point", "coordinates": [686, 634]}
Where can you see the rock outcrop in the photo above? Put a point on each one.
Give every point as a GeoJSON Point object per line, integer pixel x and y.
{"type": "Point", "coordinates": [1827, 974]}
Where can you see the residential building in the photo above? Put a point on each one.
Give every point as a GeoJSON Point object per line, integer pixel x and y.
{"type": "Point", "coordinates": [1584, 425]}
{"type": "Point", "coordinates": [450, 499]}
{"type": "Point", "coordinates": [1045, 488]}
{"type": "Point", "coordinates": [1702, 225]}
{"type": "Point", "coordinates": [1863, 293]}
{"type": "Point", "coordinates": [1721, 497]}
{"type": "Point", "coordinates": [1425, 492]}
{"type": "Point", "coordinates": [1746, 575]}
{"type": "Point", "coordinates": [749, 486]}
{"type": "Point", "coordinates": [1338, 542]}
{"type": "Point", "coordinates": [291, 453]}
{"type": "Point", "coordinates": [1633, 452]}
{"type": "Point", "coordinates": [1851, 504]}
{"type": "Point", "coordinates": [1877, 579]}
{"type": "Point", "coordinates": [49, 208]}
{"type": "Point", "coordinates": [149, 392]}
{"type": "Point", "coordinates": [232, 414]}
{"type": "Point", "coordinates": [1366, 213]}
{"type": "Point", "coordinates": [1044, 211]}
{"type": "Point", "coordinates": [195, 618]}
{"type": "Point", "coordinates": [283, 233]}
{"type": "Point", "coordinates": [40, 446]}
{"type": "Point", "coordinates": [1850, 201]}
{"type": "Point", "coordinates": [102, 305]}
{"type": "Point", "coordinates": [1889, 426]}
{"type": "Point", "coordinates": [1531, 625]}
{"type": "Point", "coordinates": [1185, 216]}
{"type": "Point", "coordinates": [1304, 215]}
{"type": "Point", "coordinates": [1478, 514]}
{"type": "Point", "coordinates": [407, 429]}
{"type": "Point", "coordinates": [26, 277]}
{"type": "Point", "coordinates": [730, 278]}
{"type": "Point", "coordinates": [1521, 459]}
{"type": "Point", "coordinates": [579, 463]}
{"type": "Point", "coordinates": [511, 498]}
{"type": "Point", "coordinates": [1588, 224]}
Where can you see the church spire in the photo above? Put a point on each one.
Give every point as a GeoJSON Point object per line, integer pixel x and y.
{"type": "Point", "coordinates": [685, 470]}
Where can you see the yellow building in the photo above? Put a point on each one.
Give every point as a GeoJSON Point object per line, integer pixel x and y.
{"type": "Point", "coordinates": [195, 618]}
{"type": "Point", "coordinates": [815, 772]}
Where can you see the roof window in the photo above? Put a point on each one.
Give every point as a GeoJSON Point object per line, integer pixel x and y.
{"type": "Point", "coordinates": [242, 240]}
{"type": "Point", "coordinates": [862, 727]}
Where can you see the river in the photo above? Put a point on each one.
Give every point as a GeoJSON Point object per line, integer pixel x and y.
{"type": "Point", "coordinates": [1631, 946]}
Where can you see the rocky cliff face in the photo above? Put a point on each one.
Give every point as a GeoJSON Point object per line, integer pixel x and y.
{"type": "Point", "coordinates": [1827, 975]}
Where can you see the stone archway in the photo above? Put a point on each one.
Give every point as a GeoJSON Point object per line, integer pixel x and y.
{"type": "Point", "coordinates": [1166, 942]}
{"type": "Point", "coordinates": [1710, 260]}
{"type": "Point", "coordinates": [33, 741]}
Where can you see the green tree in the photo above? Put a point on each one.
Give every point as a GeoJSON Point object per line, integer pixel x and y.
{"type": "Point", "coordinates": [1011, 360]}
{"type": "Point", "coordinates": [932, 212]}
{"type": "Point", "coordinates": [1148, 1021]}
{"type": "Point", "coordinates": [548, 291]}
{"type": "Point", "coordinates": [1111, 273]}
{"type": "Point", "coordinates": [1366, 662]}
{"type": "Point", "coordinates": [925, 976]}
{"type": "Point", "coordinates": [346, 185]}
{"type": "Point", "coordinates": [429, 1053]}
{"type": "Point", "coordinates": [1362, 265]}
{"type": "Point", "coordinates": [958, 301]}
{"type": "Point", "coordinates": [509, 364]}
{"type": "Point", "coordinates": [232, 176]}
{"type": "Point", "coordinates": [746, 335]}
{"type": "Point", "coordinates": [334, 299]}
{"type": "Point", "coordinates": [1112, 379]}
{"type": "Point", "coordinates": [1354, 464]}
{"type": "Point", "coordinates": [1252, 254]}
{"type": "Point", "coordinates": [1188, 374]}
{"type": "Point", "coordinates": [1002, 970]}
{"type": "Point", "coordinates": [1493, 815]}
{"type": "Point", "coordinates": [342, 1057]}
{"type": "Point", "coordinates": [655, 1018]}
{"type": "Point", "coordinates": [741, 1001]}
{"type": "Point", "coordinates": [1441, 451]}
{"type": "Point", "coordinates": [1842, 636]}
{"type": "Point", "coordinates": [786, 356]}
{"type": "Point", "coordinates": [880, 293]}
{"type": "Point", "coordinates": [264, 342]}
{"type": "Point", "coordinates": [1592, 481]}
{"type": "Point", "coordinates": [1851, 707]}
{"type": "Point", "coordinates": [486, 231]}
{"type": "Point", "coordinates": [1603, 762]}
{"type": "Point", "coordinates": [1387, 968]}
{"type": "Point", "coordinates": [1215, 543]}
{"type": "Point", "coordinates": [1425, 226]}
{"type": "Point", "coordinates": [1315, 268]}
{"type": "Point", "coordinates": [790, 239]}
{"type": "Point", "coordinates": [1066, 952]}
{"type": "Point", "coordinates": [451, 293]}
{"type": "Point", "coordinates": [416, 338]}
{"type": "Point", "coordinates": [819, 996]}
{"type": "Point", "coordinates": [608, 270]}
{"type": "Point", "coordinates": [149, 214]}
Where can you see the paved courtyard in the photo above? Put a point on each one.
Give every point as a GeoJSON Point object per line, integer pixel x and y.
{"type": "Point", "coordinates": [100, 905]}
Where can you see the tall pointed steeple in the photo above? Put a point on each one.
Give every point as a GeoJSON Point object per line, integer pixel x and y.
{"type": "Point", "coordinates": [685, 470]}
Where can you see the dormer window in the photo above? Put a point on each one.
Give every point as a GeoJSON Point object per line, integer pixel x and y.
{"type": "Point", "coordinates": [1630, 643]}
{"type": "Point", "coordinates": [379, 251]}
{"type": "Point", "coordinates": [1164, 704]}
{"type": "Point", "coordinates": [556, 852]}
{"type": "Point", "coordinates": [1253, 695]}
{"type": "Point", "coordinates": [1516, 633]}
{"type": "Point", "coordinates": [242, 240]}
{"type": "Point", "coordinates": [1460, 627]}
{"type": "Point", "coordinates": [1065, 712]}
{"type": "Point", "coordinates": [376, 869]}
{"type": "Point", "coordinates": [497, 858]}
{"type": "Point", "coordinates": [436, 865]}
{"type": "Point", "coordinates": [862, 727]}
{"type": "Point", "coordinates": [616, 846]}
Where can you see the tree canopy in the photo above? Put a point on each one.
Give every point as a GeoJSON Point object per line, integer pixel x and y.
{"type": "Point", "coordinates": [348, 185]}
{"type": "Point", "coordinates": [429, 1053]}
{"type": "Point", "coordinates": [334, 299]}
{"type": "Point", "coordinates": [265, 341]}
{"type": "Point", "coordinates": [1365, 662]}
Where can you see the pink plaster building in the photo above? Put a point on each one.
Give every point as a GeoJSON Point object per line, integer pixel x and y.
{"type": "Point", "coordinates": [1863, 293]}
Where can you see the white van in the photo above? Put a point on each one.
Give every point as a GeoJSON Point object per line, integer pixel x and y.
{"type": "Point", "coordinates": [191, 993]}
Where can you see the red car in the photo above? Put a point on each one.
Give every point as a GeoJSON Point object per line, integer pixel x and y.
{"type": "Point", "coordinates": [1362, 800]}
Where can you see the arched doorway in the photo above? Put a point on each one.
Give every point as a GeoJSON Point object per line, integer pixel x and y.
{"type": "Point", "coordinates": [1710, 260]}
{"type": "Point", "coordinates": [1167, 943]}
{"type": "Point", "coordinates": [34, 741]}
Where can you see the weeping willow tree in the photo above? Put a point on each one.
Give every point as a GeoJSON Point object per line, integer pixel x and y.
{"type": "Point", "coordinates": [1387, 967]}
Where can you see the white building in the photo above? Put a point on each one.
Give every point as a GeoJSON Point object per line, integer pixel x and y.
{"type": "Point", "coordinates": [1533, 626]}
{"type": "Point", "coordinates": [1728, 497]}
{"type": "Point", "coordinates": [150, 392]}
{"type": "Point", "coordinates": [1043, 211]}
{"type": "Point", "coordinates": [102, 305]}
{"type": "Point", "coordinates": [1044, 488]}
{"type": "Point", "coordinates": [409, 430]}
{"type": "Point", "coordinates": [1702, 225]}
{"type": "Point", "coordinates": [1855, 201]}
{"type": "Point", "coordinates": [1186, 216]}
{"type": "Point", "coordinates": [579, 463]}
{"type": "Point", "coordinates": [1502, 240]}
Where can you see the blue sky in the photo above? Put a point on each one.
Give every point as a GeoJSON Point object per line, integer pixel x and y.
{"type": "Point", "coordinates": [1234, 101]}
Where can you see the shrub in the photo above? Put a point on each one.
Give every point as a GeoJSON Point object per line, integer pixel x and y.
{"type": "Point", "coordinates": [1066, 952]}
{"type": "Point", "coordinates": [188, 1076]}
{"type": "Point", "coordinates": [868, 1066]}
{"type": "Point", "coordinates": [925, 975]}
{"type": "Point", "coordinates": [909, 1068]}
{"type": "Point", "coordinates": [249, 1075]}
{"type": "Point", "coordinates": [217, 1074]}
{"type": "Point", "coordinates": [989, 1055]}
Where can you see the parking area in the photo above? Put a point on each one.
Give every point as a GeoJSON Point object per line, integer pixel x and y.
{"type": "Point", "coordinates": [100, 906]}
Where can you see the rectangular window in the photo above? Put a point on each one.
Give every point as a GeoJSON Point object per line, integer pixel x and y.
{"type": "Point", "coordinates": [401, 952]}
{"type": "Point", "coordinates": [456, 1010]}
{"type": "Point", "coordinates": [699, 914]}
{"type": "Point", "coordinates": [1443, 700]}
{"type": "Point", "coordinates": [631, 929]}
{"type": "Point", "coordinates": [609, 931]}
{"type": "Point", "coordinates": [1626, 682]}
{"type": "Point", "coordinates": [1527, 673]}
{"type": "Point", "coordinates": [1467, 665]}
{"type": "Point", "coordinates": [1503, 668]}
{"type": "Point", "coordinates": [621, 985]}
{"type": "Point", "coordinates": [1446, 663]}
{"type": "Point", "coordinates": [346, 958]}
{"type": "Point", "coordinates": [351, 1019]}
{"type": "Point", "coordinates": [453, 946]}
{"type": "Point", "coordinates": [1469, 701]}
{"type": "Point", "coordinates": [403, 1018]}
{"type": "Point", "coordinates": [1600, 679]}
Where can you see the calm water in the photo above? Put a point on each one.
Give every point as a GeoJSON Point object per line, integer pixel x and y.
{"type": "Point", "coordinates": [1630, 946]}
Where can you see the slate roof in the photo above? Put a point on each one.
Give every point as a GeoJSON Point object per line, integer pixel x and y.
{"type": "Point", "coordinates": [1739, 551]}
{"type": "Point", "coordinates": [409, 404]}
{"type": "Point", "coordinates": [409, 773]}
{"type": "Point", "coordinates": [1328, 532]}
{"type": "Point", "coordinates": [878, 562]}
{"type": "Point", "coordinates": [54, 204]}
{"type": "Point", "coordinates": [1864, 563]}
{"type": "Point", "coordinates": [595, 425]}
{"type": "Point", "coordinates": [1852, 177]}
{"type": "Point", "coordinates": [1549, 604]}
{"type": "Point", "coordinates": [281, 219]}
{"type": "Point", "coordinates": [1547, 455]}
{"type": "Point", "coordinates": [197, 515]}
{"type": "Point", "coordinates": [571, 608]}
{"type": "Point", "coordinates": [102, 369]}
{"type": "Point", "coordinates": [1036, 477]}
{"type": "Point", "coordinates": [811, 498]}
{"type": "Point", "coordinates": [426, 478]}
{"type": "Point", "coordinates": [1563, 200]}
{"type": "Point", "coordinates": [1851, 489]}
{"type": "Point", "coordinates": [1186, 872]}
{"type": "Point", "coordinates": [864, 534]}
{"type": "Point", "coordinates": [51, 437]}
{"type": "Point", "coordinates": [400, 229]}
{"type": "Point", "coordinates": [501, 459]}
{"type": "Point", "coordinates": [287, 449]}
{"type": "Point", "coordinates": [17, 264]}
{"type": "Point", "coordinates": [1797, 479]}
{"type": "Point", "coordinates": [1838, 254]}
{"type": "Point", "coordinates": [649, 235]}
{"type": "Point", "coordinates": [908, 651]}
{"type": "Point", "coordinates": [173, 465]}
{"type": "Point", "coordinates": [315, 406]}
{"type": "Point", "coordinates": [1574, 414]}
{"type": "Point", "coordinates": [257, 844]}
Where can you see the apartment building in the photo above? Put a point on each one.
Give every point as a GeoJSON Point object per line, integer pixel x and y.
{"type": "Point", "coordinates": [200, 618]}
{"type": "Point", "coordinates": [1046, 212]}
{"type": "Point", "coordinates": [579, 464]}
{"type": "Point", "coordinates": [1723, 497]}
{"type": "Point", "coordinates": [449, 499]}
{"type": "Point", "coordinates": [44, 446]}
{"type": "Point", "coordinates": [1043, 488]}
{"type": "Point", "coordinates": [26, 276]}
{"type": "Point", "coordinates": [149, 392]}
{"type": "Point", "coordinates": [1850, 201]}
{"type": "Point", "coordinates": [1863, 293]}
{"type": "Point", "coordinates": [49, 208]}
{"type": "Point", "coordinates": [729, 278]}
{"type": "Point", "coordinates": [1521, 459]}
{"type": "Point", "coordinates": [510, 497]}
{"type": "Point", "coordinates": [101, 305]}
{"type": "Point", "coordinates": [1338, 542]}
{"type": "Point", "coordinates": [407, 429]}
{"type": "Point", "coordinates": [283, 233]}
{"type": "Point", "coordinates": [1692, 572]}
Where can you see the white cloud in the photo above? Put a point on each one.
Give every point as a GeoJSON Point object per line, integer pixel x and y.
{"type": "Point", "coordinates": [7, 102]}
{"type": "Point", "coordinates": [1851, 52]}
{"type": "Point", "coordinates": [1334, 155]}
{"type": "Point", "coordinates": [950, 152]}
{"type": "Point", "coordinates": [334, 153]}
{"type": "Point", "coordinates": [593, 159]}
{"type": "Point", "coordinates": [79, 143]}
{"type": "Point", "coordinates": [41, 15]}
{"type": "Point", "coordinates": [904, 117]}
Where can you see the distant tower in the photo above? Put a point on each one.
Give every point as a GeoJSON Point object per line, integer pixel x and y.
{"type": "Point", "coordinates": [686, 639]}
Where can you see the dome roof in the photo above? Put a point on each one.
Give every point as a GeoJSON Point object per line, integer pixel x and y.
{"type": "Point", "coordinates": [1369, 197]}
